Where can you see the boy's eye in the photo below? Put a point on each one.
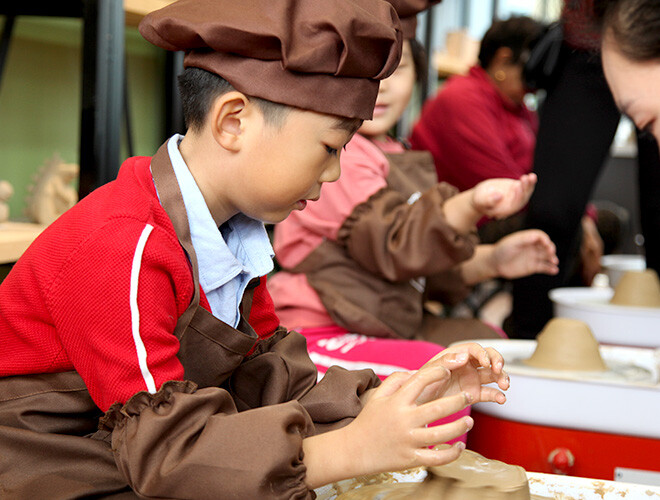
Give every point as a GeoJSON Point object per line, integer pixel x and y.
{"type": "Point", "coordinates": [331, 151]}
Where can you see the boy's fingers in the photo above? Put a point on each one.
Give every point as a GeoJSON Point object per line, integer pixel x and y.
{"type": "Point", "coordinates": [454, 360]}
{"type": "Point", "coordinates": [492, 395]}
{"type": "Point", "coordinates": [434, 457]}
{"type": "Point", "coordinates": [412, 388]}
{"type": "Point", "coordinates": [495, 360]}
{"type": "Point", "coordinates": [392, 384]}
{"type": "Point", "coordinates": [488, 377]}
{"type": "Point", "coordinates": [440, 408]}
{"type": "Point", "coordinates": [438, 434]}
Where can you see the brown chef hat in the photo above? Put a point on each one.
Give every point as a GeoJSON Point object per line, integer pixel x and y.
{"type": "Point", "coordinates": [407, 11]}
{"type": "Point", "coordinates": [320, 55]}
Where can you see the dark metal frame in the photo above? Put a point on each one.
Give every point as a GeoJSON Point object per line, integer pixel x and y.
{"type": "Point", "coordinates": [103, 74]}
{"type": "Point", "coordinates": [174, 122]}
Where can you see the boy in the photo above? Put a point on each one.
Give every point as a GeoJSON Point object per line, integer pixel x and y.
{"type": "Point", "coordinates": [141, 309]}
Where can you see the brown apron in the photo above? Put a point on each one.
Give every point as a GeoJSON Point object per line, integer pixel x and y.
{"type": "Point", "coordinates": [50, 445]}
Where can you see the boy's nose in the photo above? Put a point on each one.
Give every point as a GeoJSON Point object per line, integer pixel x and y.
{"type": "Point", "coordinates": [332, 173]}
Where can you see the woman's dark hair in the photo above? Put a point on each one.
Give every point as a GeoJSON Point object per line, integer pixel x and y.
{"type": "Point", "coordinates": [635, 27]}
{"type": "Point", "coordinates": [198, 89]}
{"type": "Point", "coordinates": [518, 33]}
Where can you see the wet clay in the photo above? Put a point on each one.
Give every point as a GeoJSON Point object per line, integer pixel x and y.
{"type": "Point", "coordinates": [638, 289]}
{"type": "Point", "coordinates": [470, 477]}
{"type": "Point", "coordinates": [567, 344]}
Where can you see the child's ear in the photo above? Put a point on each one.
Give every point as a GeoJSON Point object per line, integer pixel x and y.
{"type": "Point", "coordinates": [228, 118]}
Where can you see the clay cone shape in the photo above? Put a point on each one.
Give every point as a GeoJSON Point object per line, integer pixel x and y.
{"type": "Point", "coordinates": [638, 288]}
{"type": "Point", "coordinates": [567, 344]}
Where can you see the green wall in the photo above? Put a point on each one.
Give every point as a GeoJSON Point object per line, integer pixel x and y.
{"type": "Point", "coordinates": [40, 95]}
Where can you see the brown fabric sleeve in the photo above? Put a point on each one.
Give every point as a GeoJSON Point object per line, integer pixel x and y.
{"type": "Point", "coordinates": [282, 371]}
{"type": "Point", "coordinates": [335, 400]}
{"type": "Point", "coordinates": [401, 241]}
{"type": "Point", "coordinates": [447, 287]}
{"type": "Point", "coordinates": [182, 443]}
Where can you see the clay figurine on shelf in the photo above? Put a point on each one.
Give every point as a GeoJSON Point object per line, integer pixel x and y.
{"type": "Point", "coordinates": [6, 192]}
{"type": "Point", "coordinates": [53, 192]}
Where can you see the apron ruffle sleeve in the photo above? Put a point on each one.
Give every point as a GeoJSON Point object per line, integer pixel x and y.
{"type": "Point", "coordinates": [186, 443]}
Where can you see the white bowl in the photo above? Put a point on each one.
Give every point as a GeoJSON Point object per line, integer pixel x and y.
{"type": "Point", "coordinates": [590, 401]}
{"type": "Point", "coordinates": [616, 265]}
{"type": "Point", "coordinates": [610, 323]}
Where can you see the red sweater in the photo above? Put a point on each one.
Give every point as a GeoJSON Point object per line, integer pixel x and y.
{"type": "Point", "coordinates": [106, 279]}
{"type": "Point", "coordinates": [475, 134]}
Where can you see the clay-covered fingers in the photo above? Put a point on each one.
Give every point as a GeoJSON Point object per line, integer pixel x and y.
{"type": "Point", "coordinates": [459, 354]}
{"type": "Point", "coordinates": [487, 376]}
{"type": "Point", "coordinates": [441, 408]}
{"type": "Point", "coordinates": [428, 457]}
{"type": "Point", "coordinates": [392, 383]}
{"type": "Point", "coordinates": [479, 356]}
{"type": "Point", "coordinates": [492, 395]}
{"type": "Point", "coordinates": [438, 434]}
{"type": "Point", "coordinates": [433, 373]}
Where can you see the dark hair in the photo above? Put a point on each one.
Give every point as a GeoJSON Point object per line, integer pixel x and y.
{"type": "Point", "coordinates": [419, 60]}
{"type": "Point", "coordinates": [198, 89]}
{"type": "Point", "coordinates": [517, 33]}
{"type": "Point", "coordinates": [635, 26]}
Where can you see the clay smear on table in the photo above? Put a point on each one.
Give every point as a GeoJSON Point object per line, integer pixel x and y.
{"type": "Point", "coordinates": [638, 289]}
{"type": "Point", "coordinates": [470, 477]}
{"type": "Point", "coordinates": [567, 344]}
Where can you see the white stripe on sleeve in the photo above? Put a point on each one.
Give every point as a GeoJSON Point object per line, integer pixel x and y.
{"type": "Point", "coordinates": [135, 312]}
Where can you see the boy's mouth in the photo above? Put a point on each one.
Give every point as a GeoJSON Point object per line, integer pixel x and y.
{"type": "Point", "coordinates": [301, 204]}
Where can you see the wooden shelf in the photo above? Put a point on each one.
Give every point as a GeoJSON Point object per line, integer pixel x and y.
{"type": "Point", "coordinates": [15, 237]}
{"type": "Point", "coordinates": [136, 9]}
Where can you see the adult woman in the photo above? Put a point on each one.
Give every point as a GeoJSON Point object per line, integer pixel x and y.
{"type": "Point", "coordinates": [631, 60]}
{"type": "Point", "coordinates": [578, 122]}
{"type": "Point", "coordinates": [477, 127]}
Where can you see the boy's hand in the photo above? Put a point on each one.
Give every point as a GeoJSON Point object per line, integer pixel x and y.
{"type": "Point", "coordinates": [471, 367]}
{"type": "Point", "coordinates": [523, 253]}
{"type": "Point", "coordinates": [499, 198]}
{"type": "Point", "coordinates": [390, 432]}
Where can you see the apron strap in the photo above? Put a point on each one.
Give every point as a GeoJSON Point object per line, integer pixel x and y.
{"type": "Point", "coordinates": [172, 201]}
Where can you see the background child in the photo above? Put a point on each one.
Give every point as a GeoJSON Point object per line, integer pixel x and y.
{"type": "Point", "coordinates": [361, 261]}
{"type": "Point", "coordinates": [141, 355]}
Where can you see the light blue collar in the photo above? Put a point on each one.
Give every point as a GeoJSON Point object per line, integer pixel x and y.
{"type": "Point", "coordinates": [227, 260]}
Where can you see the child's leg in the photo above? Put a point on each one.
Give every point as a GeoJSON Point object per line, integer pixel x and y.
{"type": "Point", "coordinates": [336, 346]}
